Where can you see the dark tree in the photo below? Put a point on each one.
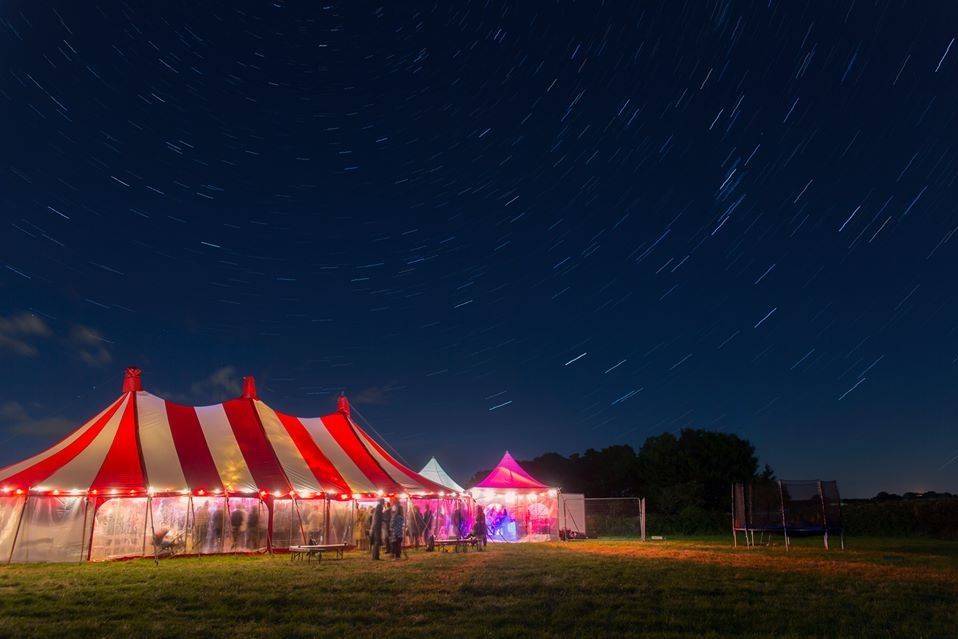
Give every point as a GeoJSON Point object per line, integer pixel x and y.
{"type": "Point", "coordinates": [694, 470]}
{"type": "Point", "coordinates": [697, 468]}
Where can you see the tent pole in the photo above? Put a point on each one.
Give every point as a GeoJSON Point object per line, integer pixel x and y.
{"type": "Point", "coordinates": [269, 525]}
{"type": "Point", "coordinates": [190, 521]}
{"type": "Point", "coordinates": [405, 528]}
{"type": "Point", "coordinates": [229, 521]}
{"type": "Point", "coordinates": [149, 506]}
{"type": "Point", "coordinates": [354, 524]}
{"type": "Point", "coordinates": [96, 507]}
{"type": "Point", "coordinates": [224, 525]}
{"type": "Point", "coordinates": [86, 504]}
{"type": "Point", "coordinates": [16, 535]}
{"type": "Point", "coordinates": [302, 531]}
{"type": "Point", "coordinates": [326, 525]}
{"type": "Point", "coordinates": [146, 518]}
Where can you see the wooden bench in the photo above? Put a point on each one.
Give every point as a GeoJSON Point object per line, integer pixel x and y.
{"type": "Point", "coordinates": [315, 551]}
{"type": "Point", "coordinates": [457, 545]}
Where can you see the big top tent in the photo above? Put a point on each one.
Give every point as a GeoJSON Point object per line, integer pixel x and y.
{"type": "Point", "coordinates": [147, 476]}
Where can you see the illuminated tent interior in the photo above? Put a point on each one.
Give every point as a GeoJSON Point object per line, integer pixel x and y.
{"type": "Point", "coordinates": [518, 507]}
{"type": "Point", "coordinates": [149, 477]}
{"type": "Point", "coordinates": [446, 519]}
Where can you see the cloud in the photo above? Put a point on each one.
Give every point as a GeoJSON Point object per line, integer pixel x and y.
{"type": "Point", "coordinates": [15, 419]}
{"type": "Point", "coordinates": [90, 346]}
{"type": "Point", "coordinates": [375, 395]}
{"type": "Point", "coordinates": [17, 333]}
{"type": "Point", "coordinates": [20, 332]}
{"type": "Point", "coordinates": [223, 383]}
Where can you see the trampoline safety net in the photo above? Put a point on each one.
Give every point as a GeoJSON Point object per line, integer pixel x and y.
{"type": "Point", "coordinates": [791, 508]}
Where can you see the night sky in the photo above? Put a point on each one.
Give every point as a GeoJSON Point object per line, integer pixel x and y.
{"type": "Point", "coordinates": [535, 226]}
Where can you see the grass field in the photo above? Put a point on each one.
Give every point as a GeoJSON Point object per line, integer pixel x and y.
{"type": "Point", "coordinates": [687, 588]}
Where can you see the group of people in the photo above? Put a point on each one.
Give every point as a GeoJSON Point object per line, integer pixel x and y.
{"type": "Point", "coordinates": [211, 525]}
{"type": "Point", "coordinates": [388, 527]}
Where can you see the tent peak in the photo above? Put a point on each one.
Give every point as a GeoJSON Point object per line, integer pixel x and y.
{"type": "Point", "coordinates": [249, 388]}
{"type": "Point", "coordinates": [509, 474]}
{"type": "Point", "coordinates": [131, 380]}
{"type": "Point", "coordinates": [342, 404]}
{"type": "Point", "coordinates": [435, 472]}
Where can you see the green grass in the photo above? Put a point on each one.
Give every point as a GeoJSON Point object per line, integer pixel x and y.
{"type": "Point", "coordinates": [677, 588]}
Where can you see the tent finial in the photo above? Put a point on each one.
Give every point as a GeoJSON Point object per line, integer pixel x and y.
{"type": "Point", "coordinates": [131, 380]}
{"type": "Point", "coordinates": [249, 388]}
{"type": "Point", "coordinates": [342, 404]}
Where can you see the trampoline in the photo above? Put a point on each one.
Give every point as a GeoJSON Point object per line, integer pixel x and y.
{"type": "Point", "coordinates": [790, 508]}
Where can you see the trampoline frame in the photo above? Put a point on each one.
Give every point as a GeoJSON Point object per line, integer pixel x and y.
{"type": "Point", "coordinates": [744, 521]}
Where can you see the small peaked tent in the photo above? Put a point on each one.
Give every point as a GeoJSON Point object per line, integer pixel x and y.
{"type": "Point", "coordinates": [147, 476]}
{"type": "Point", "coordinates": [508, 474]}
{"type": "Point", "coordinates": [517, 506]}
{"type": "Point", "coordinates": [432, 470]}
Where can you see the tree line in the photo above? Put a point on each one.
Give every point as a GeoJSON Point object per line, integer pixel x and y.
{"type": "Point", "coordinates": [691, 472]}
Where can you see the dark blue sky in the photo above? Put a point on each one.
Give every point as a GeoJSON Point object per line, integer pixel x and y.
{"type": "Point", "coordinates": [497, 225]}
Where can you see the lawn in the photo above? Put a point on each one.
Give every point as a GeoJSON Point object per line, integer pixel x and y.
{"type": "Point", "coordinates": [686, 588]}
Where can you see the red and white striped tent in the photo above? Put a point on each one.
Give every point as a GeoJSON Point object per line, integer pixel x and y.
{"type": "Point", "coordinates": [231, 477]}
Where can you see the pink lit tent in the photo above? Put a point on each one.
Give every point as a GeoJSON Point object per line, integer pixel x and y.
{"type": "Point", "coordinates": [147, 477]}
{"type": "Point", "coordinates": [517, 506]}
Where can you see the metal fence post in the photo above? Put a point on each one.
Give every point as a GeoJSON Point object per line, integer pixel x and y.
{"type": "Point", "coordinates": [821, 497]}
{"type": "Point", "coordinates": [781, 497]}
{"type": "Point", "coordinates": [642, 517]}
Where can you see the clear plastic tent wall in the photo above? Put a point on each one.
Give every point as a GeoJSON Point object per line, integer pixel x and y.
{"type": "Point", "coordinates": [10, 508]}
{"type": "Point", "coordinates": [79, 528]}
{"type": "Point", "coordinates": [51, 529]}
{"type": "Point", "coordinates": [439, 518]}
{"type": "Point", "coordinates": [519, 516]}
{"type": "Point", "coordinates": [425, 519]}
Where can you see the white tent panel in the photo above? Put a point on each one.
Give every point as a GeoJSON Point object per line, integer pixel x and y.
{"type": "Point", "coordinates": [572, 512]}
{"type": "Point", "coordinates": [432, 470]}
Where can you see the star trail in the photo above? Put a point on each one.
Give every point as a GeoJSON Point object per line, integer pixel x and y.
{"type": "Point", "coordinates": [533, 226]}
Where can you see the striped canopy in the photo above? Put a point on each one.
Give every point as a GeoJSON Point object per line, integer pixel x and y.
{"type": "Point", "coordinates": [143, 444]}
